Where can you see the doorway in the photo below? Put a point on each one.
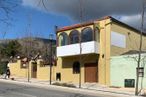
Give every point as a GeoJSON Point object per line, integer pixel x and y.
{"type": "Point", "coordinates": [34, 70]}
{"type": "Point", "coordinates": [91, 72]}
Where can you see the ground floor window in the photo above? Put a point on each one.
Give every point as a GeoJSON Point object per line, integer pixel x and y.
{"type": "Point", "coordinates": [76, 67]}
{"type": "Point", "coordinates": [129, 82]}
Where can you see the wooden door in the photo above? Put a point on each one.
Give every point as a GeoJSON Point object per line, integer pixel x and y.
{"type": "Point", "coordinates": [34, 70]}
{"type": "Point", "coordinates": [91, 72]}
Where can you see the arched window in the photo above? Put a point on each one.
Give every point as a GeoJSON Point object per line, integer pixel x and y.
{"type": "Point", "coordinates": [63, 39]}
{"type": "Point", "coordinates": [76, 67]}
{"type": "Point", "coordinates": [87, 34]}
{"type": "Point", "coordinates": [74, 37]}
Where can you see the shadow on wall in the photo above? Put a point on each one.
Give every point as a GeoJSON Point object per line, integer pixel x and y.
{"type": "Point", "coordinates": [67, 62]}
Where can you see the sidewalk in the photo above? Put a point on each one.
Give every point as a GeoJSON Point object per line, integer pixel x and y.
{"type": "Point", "coordinates": [86, 88]}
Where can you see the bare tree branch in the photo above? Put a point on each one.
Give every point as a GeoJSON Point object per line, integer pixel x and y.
{"type": "Point", "coordinates": [6, 8]}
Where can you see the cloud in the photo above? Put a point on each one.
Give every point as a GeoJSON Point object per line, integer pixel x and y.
{"type": "Point", "coordinates": [133, 20]}
{"type": "Point", "coordinates": [128, 10]}
{"type": "Point", "coordinates": [32, 3]}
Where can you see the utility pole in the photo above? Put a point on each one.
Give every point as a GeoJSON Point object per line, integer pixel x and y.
{"type": "Point", "coordinates": [140, 48]}
{"type": "Point", "coordinates": [29, 45]}
{"type": "Point", "coordinates": [80, 40]}
{"type": "Point", "coordinates": [51, 39]}
{"type": "Point", "coordinates": [28, 70]}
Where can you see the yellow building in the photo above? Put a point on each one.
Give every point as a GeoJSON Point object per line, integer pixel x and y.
{"type": "Point", "coordinates": [84, 50]}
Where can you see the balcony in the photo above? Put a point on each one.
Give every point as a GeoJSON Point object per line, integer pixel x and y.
{"type": "Point", "coordinates": [91, 47]}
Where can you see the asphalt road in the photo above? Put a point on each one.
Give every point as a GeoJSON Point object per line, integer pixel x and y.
{"type": "Point", "coordinates": [15, 90]}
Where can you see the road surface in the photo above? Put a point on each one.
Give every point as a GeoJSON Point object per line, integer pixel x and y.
{"type": "Point", "coordinates": [15, 90]}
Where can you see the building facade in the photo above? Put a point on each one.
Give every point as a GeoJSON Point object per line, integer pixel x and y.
{"type": "Point", "coordinates": [123, 70]}
{"type": "Point", "coordinates": [84, 50]}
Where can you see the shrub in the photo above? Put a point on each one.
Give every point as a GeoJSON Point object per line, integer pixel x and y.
{"type": "Point", "coordinates": [64, 85]}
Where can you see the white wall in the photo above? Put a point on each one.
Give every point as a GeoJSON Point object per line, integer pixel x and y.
{"type": "Point", "coordinates": [118, 39]}
{"type": "Point", "coordinates": [74, 49]}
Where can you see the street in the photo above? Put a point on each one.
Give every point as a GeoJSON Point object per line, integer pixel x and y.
{"type": "Point", "coordinates": [14, 90]}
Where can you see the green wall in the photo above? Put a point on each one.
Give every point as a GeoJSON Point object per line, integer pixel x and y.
{"type": "Point", "coordinates": [124, 67]}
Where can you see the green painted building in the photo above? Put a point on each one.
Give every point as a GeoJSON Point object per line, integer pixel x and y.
{"type": "Point", "coordinates": [123, 71]}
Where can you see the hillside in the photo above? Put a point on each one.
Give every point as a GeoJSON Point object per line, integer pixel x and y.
{"type": "Point", "coordinates": [41, 40]}
{"type": "Point", "coordinates": [32, 46]}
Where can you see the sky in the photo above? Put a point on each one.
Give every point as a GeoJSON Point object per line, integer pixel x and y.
{"type": "Point", "coordinates": [31, 15]}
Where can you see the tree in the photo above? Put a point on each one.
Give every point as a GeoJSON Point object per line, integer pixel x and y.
{"type": "Point", "coordinates": [12, 48]}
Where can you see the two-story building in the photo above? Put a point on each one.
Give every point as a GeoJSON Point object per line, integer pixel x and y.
{"type": "Point", "coordinates": [86, 53]}
{"type": "Point", "coordinates": [84, 50]}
